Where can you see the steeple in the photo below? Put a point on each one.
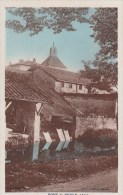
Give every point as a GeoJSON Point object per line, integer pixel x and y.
{"type": "Point", "coordinates": [53, 50]}
{"type": "Point", "coordinates": [52, 60]}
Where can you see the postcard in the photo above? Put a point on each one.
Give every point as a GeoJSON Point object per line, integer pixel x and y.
{"type": "Point", "coordinates": [61, 95]}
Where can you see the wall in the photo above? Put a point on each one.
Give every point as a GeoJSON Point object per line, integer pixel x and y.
{"type": "Point", "coordinates": [68, 89]}
{"type": "Point", "coordinates": [83, 90]}
{"type": "Point", "coordinates": [21, 67]}
{"type": "Point", "coordinates": [95, 123]}
{"type": "Point", "coordinates": [58, 86]}
{"type": "Point", "coordinates": [24, 117]}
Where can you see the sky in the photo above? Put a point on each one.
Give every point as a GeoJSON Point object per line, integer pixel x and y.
{"type": "Point", "coordinates": [72, 47]}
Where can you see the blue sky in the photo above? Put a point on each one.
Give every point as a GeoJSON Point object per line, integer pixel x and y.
{"type": "Point", "coordinates": [72, 47]}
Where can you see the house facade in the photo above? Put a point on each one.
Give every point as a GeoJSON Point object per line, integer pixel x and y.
{"type": "Point", "coordinates": [68, 87]}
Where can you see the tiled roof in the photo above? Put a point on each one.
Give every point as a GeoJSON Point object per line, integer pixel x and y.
{"type": "Point", "coordinates": [53, 61]}
{"type": "Point", "coordinates": [19, 86]}
{"type": "Point", "coordinates": [60, 106]}
{"type": "Point", "coordinates": [64, 75]}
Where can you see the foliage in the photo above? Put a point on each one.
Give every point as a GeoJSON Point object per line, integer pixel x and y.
{"type": "Point", "coordinates": [103, 22]}
{"type": "Point", "coordinates": [105, 27]}
{"type": "Point", "coordinates": [35, 20]}
{"type": "Point", "coordinates": [104, 138]}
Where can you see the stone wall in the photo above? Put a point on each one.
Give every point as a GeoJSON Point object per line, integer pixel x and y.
{"type": "Point", "coordinates": [95, 123]}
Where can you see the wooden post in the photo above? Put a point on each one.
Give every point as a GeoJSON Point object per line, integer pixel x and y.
{"type": "Point", "coordinates": [116, 113]}
{"type": "Point", "coordinates": [7, 129]}
{"type": "Point", "coordinates": [8, 105]}
{"type": "Point", "coordinates": [37, 122]}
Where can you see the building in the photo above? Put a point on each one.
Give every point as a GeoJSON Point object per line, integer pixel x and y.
{"type": "Point", "coordinates": [23, 65]}
{"type": "Point", "coordinates": [65, 81]}
{"type": "Point", "coordinates": [27, 101]}
{"type": "Point", "coordinates": [24, 102]}
{"type": "Point", "coordinates": [66, 89]}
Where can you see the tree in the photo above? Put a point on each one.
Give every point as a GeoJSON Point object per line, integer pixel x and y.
{"type": "Point", "coordinates": [104, 24]}
{"type": "Point", "coordinates": [35, 20]}
{"type": "Point", "coordinates": [103, 21]}
{"type": "Point", "coordinates": [105, 29]}
{"type": "Point", "coordinates": [90, 72]}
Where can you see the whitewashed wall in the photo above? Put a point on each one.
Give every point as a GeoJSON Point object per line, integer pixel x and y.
{"type": "Point", "coordinates": [68, 89]}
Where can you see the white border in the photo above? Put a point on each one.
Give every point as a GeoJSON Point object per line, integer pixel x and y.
{"type": "Point", "coordinates": [61, 3]}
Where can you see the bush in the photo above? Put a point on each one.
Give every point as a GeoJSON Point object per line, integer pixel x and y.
{"type": "Point", "coordinates": [102, 138]}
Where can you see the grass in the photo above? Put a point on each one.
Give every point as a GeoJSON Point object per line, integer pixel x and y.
{"type": "Point", "coordinates": [27, 174]}
{"type": "Point", "coordinates": [99, 107]}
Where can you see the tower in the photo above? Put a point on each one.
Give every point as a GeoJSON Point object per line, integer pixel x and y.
{"type": "Point", "coordinates": [53, 61]}
{"type": "Point", "coordinates": [53, 50]}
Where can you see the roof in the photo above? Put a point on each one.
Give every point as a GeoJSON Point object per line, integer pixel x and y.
{"type": "Point", "coordinates": [19, 86]}
{"type": "Point", "coordinates": [60, 107]}
{"type": "Point", "coordinates": [24, 63]}
{"type": "Point", "coordinates": [53, 60]}
{"type": "Point", "coordinates": [64, 75]}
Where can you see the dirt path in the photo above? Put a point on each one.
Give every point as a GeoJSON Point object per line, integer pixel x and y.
{"type": "Point", "coordinates": [105, 181]}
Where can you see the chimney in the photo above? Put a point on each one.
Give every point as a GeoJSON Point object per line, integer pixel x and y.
{"type": "Point", "coordinates": [34, 60]}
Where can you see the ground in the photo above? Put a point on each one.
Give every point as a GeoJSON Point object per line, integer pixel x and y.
{"type": "Point", "coordinates": [42, 176]}
{"type": "Point", "coordinates": [104, 181]}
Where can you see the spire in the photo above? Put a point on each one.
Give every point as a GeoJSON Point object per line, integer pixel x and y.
{"type": "Point", "coordinates": [53, 60]}
{"type": "Point", "coordinates": [53, 50]}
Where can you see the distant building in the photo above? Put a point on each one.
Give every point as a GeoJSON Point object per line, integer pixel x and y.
{"type": "Point", "coordinates": [53, 71]}
{"type": "Point", "coordinates": [64, 81]}
{"type": "Point", "coordinates": [23, 65]}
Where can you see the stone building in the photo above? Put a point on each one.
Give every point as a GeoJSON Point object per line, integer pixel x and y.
{"type": "Point", "coordinates": [68, 91]}
{"type": "Point", "coordinates": [27, 100]}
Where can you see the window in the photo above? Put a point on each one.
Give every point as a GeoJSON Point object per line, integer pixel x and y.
{"type": "Point", "coordinates": [62, 84]}
{"type": "Point", "coordinates": [70, 85]}
{"type": "Point", "coordinates": [80, 87]}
